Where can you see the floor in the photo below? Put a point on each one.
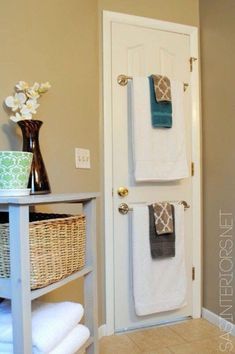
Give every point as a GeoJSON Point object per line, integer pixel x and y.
{"type": "Point", "coordinates": [193, 336]}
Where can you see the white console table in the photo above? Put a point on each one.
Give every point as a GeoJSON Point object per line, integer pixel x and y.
{"type": "Point", "coordinates": [17, 287]}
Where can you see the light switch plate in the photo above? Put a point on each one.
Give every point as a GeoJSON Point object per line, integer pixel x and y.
{"type": "Point", "coordinates": [82, 158]}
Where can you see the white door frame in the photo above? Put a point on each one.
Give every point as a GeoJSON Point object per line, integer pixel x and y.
{"type": "Point", "coordinates": [108, 19]}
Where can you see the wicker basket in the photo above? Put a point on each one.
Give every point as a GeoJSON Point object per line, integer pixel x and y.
{"type": "Point", "coordinates": [57, 247]}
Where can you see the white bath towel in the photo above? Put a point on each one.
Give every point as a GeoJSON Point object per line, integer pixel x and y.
{"type": "Point", "coordinates": [159, 153]}
{"type": "Point", "coordinates": [69, 345]}
{"type": "Point", "coordinates": [158, 284]}
{"type": "Point", "coordinates": [51, 322]}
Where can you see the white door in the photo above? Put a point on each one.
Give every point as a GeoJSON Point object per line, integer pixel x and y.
{"type": "Point", "coordinates": [141, 51]}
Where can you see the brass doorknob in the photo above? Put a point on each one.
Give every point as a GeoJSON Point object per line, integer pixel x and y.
{"type": "Point", "coordinates": [123, 191]}
{"type": "Point", "coordinates": [123, 208]}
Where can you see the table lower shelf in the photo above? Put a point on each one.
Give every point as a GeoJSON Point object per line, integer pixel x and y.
{"type": "Point", "coordinates": [5, 284]}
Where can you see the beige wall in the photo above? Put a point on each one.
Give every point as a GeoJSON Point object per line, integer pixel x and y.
{"type": "Point", "coordinates": [218, 76]}
{"type": "Point", "coordinates": [55, 40]}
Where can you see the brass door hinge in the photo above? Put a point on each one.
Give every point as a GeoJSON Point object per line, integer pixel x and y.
{"type": "Point", "coordinates": [191, 61]}
{"type": "Point", "coordinates": [192, 168]}
{"type": "Point", "coordinates": [193, 273]}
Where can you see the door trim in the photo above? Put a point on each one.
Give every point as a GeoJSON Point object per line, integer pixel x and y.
{"type": "Point", "coordinates": [108, 19]}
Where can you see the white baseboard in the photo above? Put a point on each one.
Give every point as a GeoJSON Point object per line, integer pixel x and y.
{"type": "Point", "coordinates": [218, 321]}
{"type": "Point", "coordinates": [102, 331]}
{"type": "Point", "coordinates": [208, 315]}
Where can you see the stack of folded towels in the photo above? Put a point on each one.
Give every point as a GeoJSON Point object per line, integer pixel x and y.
{"type": "Point", "coordinates": [55, 328]}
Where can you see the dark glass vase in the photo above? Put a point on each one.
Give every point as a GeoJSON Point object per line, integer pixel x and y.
{"type": "Point", "coordinates": [38, 180]}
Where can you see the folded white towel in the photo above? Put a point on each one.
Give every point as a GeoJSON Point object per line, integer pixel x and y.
{"type": "Point", "coordinates": [51, 322]}
{"type": "Point", "coordinates": [159, 154]}
{"type": "Point", "coordinates": [158, 284]}
{"type": "Point", "coordinates": [73, 341]}
{"type": "Point", "coordinates": [69, 345]}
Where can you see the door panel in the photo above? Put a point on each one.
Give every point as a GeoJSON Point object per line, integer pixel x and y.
{"type": "Point", "coordinates": [139, 51]}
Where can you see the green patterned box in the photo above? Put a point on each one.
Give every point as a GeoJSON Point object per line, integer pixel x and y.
{"type": "Point", "coordinates": [15, 169]}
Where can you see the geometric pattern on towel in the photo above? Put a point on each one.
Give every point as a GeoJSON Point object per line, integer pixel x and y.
{"type": "Point", "coordinates": [161, 246]}
{"type": "Point", "coordinates": [162, 87]}
{"type": "Point", "coordinates": [163, 214]}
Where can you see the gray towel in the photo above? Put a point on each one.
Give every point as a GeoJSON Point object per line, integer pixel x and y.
{"type": "Point", "coordinates": [161, 245]}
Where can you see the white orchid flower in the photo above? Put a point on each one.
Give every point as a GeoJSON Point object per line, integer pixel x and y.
{"type": "Point", "coordinates": [24, 102]}
{"type": "Point", "coordinates": [22, 86]}
{"type": "Point", "coordinates": [15, 102]}
{"type": "Point", "coordinates": [26, 113]}
{"type": "Point", "coordinates": [32, 92]}
{"type": "Point", "coordinates": [29, 107]}
{"type": "Point", "coordinates": [16, 118]}
{"type": "Point", "coordinates": [36, 86]}
{"type": "Point", "coordinates": [44, 87]}
{"type": "Point", "coordinates": [34, 95]}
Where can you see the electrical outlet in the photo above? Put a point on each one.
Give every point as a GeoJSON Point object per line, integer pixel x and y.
{"type": "Point", "coordinates": [82, 158]}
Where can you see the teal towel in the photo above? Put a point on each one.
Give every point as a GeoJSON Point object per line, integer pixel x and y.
{"type": "Point", "coordinates": [161, 112]}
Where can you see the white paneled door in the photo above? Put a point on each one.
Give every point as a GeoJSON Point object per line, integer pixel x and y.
{"type": "Point", "coordinates": [140, 51]}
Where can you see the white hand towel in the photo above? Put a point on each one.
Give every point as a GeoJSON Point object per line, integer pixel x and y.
{"type": "Point", "coordinates": [158, 284]}
{"type": "Point", "coordinates": [50, 322]}
{"type": "Point", "coordinates": [159, 154]}
{"type": "Point", "coordinates": [69, 345]}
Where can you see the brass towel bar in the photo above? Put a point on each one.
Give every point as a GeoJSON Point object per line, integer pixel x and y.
{"type": "Point", "coordinates": [124, 208]}
{"type": "Point", "coordinates": [123, 80]}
